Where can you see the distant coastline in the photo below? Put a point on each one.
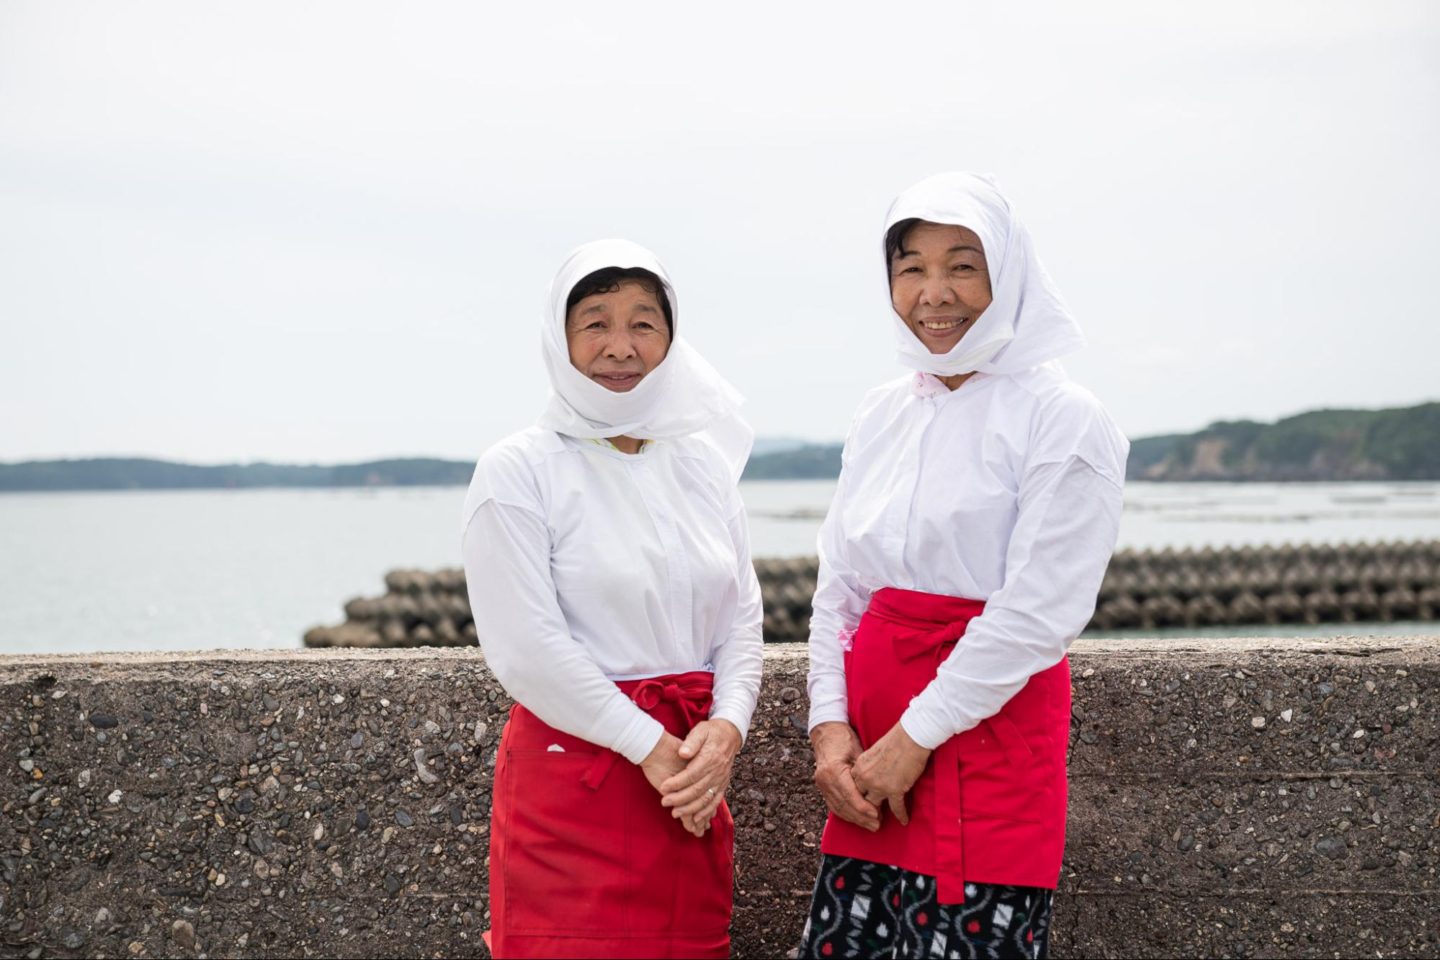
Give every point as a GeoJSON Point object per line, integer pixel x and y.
{"type": "Point", "coordinates": [142, 474]}
{"type": "Point", "coordinates": [1322, 445]}
{"type": "Point", "coordinates": [801, 462]}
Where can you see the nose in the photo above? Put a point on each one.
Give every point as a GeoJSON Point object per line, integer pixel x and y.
{"type": "Point", "coordinates": [936, 292]}
{"type": "Point", "coordinates": [620, 346]}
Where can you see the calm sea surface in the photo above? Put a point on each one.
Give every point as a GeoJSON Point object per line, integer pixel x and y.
{"type": "Point", "coordinates": [256, 568]}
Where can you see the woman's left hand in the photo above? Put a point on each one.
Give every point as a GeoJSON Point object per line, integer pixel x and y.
{"type": "Point", "coordinates": [694, 794]}
{"type": "Point", "coordinates": [887, 771]}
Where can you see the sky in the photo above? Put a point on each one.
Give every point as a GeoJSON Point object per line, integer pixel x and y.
{"type": "Point", "coordinates": [323, 232]}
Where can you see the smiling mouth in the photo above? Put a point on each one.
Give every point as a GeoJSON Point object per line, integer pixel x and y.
{"type": "Point", "coordinates": [617, 381]}
{"type": "Point", "coordinates": [941, 326]}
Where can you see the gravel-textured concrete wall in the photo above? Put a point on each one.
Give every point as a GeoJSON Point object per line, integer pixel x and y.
{"type": "Point", "coordinates": [1229, 798]}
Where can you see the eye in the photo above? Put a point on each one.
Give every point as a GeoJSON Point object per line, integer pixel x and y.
{"type": "Point", "coordinates": [962, 267]}
{"type": "Point", "coordinates": [905, 270]}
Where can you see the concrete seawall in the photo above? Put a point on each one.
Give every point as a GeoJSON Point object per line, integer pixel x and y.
{"type": "Point", "coordinates": [1229, 798]}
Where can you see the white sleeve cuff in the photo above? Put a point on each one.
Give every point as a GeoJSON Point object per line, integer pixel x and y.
{"type": "Point", "coordinates": [736, 715]}
{"type": "Point", "coordinates": [925, 727]}
{"type": "Point", "coordinates": [639, 737]}
{"type": "Point", "coordinates": [828, 713]}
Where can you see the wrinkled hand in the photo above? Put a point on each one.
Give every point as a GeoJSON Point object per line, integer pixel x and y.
{"type": "Point", "coordinates": [887, 771]}
{"type": "Point", "coordinates": [836, 747]}
{"type": "Point", "coordinates": [663, 763]}
{"type": "Point", "coordinates": [694, 794]}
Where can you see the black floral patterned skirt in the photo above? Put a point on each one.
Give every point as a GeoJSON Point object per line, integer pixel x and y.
{"type": "Point", "coordinates": [864, 909]}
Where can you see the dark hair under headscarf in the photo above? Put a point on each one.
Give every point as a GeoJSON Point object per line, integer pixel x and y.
{"type": "Point", "coordinates": [608, 280]}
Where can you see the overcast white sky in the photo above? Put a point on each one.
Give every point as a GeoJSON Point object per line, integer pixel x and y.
{"type": "Point", "coordinates": [322, 232]}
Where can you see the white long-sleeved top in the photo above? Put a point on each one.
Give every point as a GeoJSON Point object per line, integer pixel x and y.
{"type": "Point", "coordinates": [586, 565]}
{"type": "Point", "coordinates": [1006, 490]}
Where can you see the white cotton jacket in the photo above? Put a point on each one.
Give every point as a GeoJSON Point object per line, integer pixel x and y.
{"type": "Point", "coordinates": [1006, 490]}
{"type": "Point", "coordinates": [586, 565]}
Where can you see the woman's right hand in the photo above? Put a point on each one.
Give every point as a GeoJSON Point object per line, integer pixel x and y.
{"type": "Point", "coordinates": [836, 746]}
{"type": "Point", "coordinates": [662, 763]}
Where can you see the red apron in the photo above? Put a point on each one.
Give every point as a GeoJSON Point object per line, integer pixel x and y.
{"type": "Point", "coordinates": [584, 862]}
{"type": "Point", "coordinates": [990, 806]}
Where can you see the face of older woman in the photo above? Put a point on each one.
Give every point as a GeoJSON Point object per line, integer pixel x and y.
{"type": "Point", "coordinates": [939, 283]}
{"type": "Point", "coordinates": [619, 336]}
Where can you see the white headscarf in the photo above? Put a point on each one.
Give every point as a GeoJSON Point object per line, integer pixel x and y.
{"type": "Point", "coordinates": [1027, 323]}
{"type": "Point", "coordinates": [682, 396]}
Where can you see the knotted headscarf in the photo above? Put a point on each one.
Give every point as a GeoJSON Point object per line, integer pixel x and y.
{"type": "Point", "coordinates": [1027, 322]}
{"type": "Point", "coordinates": [682, 396]}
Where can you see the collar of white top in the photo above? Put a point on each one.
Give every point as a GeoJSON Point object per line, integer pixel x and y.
{"type": "Point", "coordinates": [927, 385]}
{"type": "Point", "coordinates": [605, 443]}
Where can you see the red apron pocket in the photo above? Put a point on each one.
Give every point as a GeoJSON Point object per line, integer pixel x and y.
{"type": "Point", "coordinates": [998, 771]}
{"type": "Point", "coordinates": [679, 875]}
{"type": "Point", "coordinates": [556, 862]}
{"type": "Point", "coordinates": [1011, 740]}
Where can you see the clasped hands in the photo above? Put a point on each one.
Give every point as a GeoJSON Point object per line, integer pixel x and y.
{"type": "Point", "coordinates": [692, 775]}
{"type": "Point", "coordinates": [857, 783]}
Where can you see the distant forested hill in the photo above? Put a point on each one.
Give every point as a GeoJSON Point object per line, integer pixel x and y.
{"type": "Point", "coordinates": [123, 474]}
{"type": "Point", "coordinates": [801, 463]}
{"type": "Point", "coordinates": [1400, 444]}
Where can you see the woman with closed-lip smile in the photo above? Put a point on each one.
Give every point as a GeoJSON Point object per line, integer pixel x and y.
{"type": "Point", "coordinates": [978, 504]}
{"type": "Point", "coordinates": [608, 564]}
{"type": "Point", "coordinates": [616, 339]}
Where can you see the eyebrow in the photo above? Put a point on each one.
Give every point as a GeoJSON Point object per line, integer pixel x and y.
{"type": "Point", "coordinates": [594, 308]}
{"type": "Point", "coordinates": [959, 247]}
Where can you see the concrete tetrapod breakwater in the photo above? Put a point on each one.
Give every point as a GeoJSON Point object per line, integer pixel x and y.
{"type": "Point", "coordinates": [1142, 590]}
{"type": "Point", "coordinates": [1228, 798]}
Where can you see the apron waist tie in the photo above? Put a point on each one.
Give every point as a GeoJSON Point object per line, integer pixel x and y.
{"type": "Point", "coordinates": [692, 698]}
{"type": "Point", "coordinates": [936, 644]}
{"type": "Point", "coordinates": [949, 834]}
{"type": "Point", "coordinates": [949, 837]}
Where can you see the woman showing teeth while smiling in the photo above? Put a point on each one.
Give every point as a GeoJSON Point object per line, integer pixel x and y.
{"type": "Point", "coordinates": [978, 505]}
{"type": "Point", "coordinates": [939, 284]}
{"type": "Point", "coordinates": [607, 559]}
